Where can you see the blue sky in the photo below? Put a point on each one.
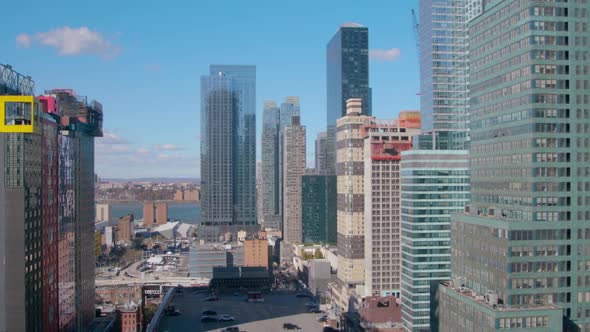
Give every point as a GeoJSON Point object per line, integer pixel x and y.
{"type": "Point", "coordinates": [142, 60]}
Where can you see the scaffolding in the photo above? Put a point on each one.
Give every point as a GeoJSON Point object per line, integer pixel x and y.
{"type": "Point", "coordinates": [13, 83]}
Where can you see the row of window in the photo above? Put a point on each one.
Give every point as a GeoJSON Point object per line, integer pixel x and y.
{"type": "Point", "coordinates": [523, 322]}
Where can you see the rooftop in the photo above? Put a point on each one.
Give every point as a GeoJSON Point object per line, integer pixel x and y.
{"type": "Point", "coordinates": [279, 307]}
{"type": "Point", "coordinates": [488, 300]}
{"type": "Point", "coordinates": [101, 324]}
{"type": "Point", "coordinates": [351, 25]}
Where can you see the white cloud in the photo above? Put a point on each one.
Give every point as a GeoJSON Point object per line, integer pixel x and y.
{"type": "Point", "coordinates": [168, 147]}
{"type": "Point", "coordinates": [71, 41]}
{"type": "Point", "coordinates": [117, 157]}
{"type": "Point", "coordinates": [112, 138]}
{"type": "Point", "coordinates": [384, 55]}
{"type": "Point", "coordinates": [23, 40]}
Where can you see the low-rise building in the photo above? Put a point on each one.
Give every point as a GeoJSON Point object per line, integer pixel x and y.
{"type": "Point", "coordinates": [376, 314]}
{"type": "Point", "coordinates": [125, 228]}
{"type": "Point", "coordinates": [203, 258]}
{"type": "Point", "coordinates": [118, 295]}
{"type": "Point", "coordinates": [130, 318]}
{"type": "Point", "coordinates": [155, 213]}
{"type": "Point", "coordinates": [257, 252]}
{"type": "Point", "coordinates": [320, 274]}
{"type": "Point", "coordinates": [103, 212]}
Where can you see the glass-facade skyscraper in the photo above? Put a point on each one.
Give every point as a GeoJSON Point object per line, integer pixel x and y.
{"type": "Point", "coordinates": [275, 120]}
{"type": "Point", "coordinates": [443, 72]}
{"type": "Point", "coordinates": [228, 149]}
{"type": "Point", "coordinates": [435, 175]}
{"type": "Point", "coordinates": [434, 185]}
{"type": "Point", "coordinates": [523, 243]}
{"type": "Point", "coordinates": [347, 77]}
{"type": "Point", "coordinates": [318, 208]}
{"type": "Point", "coordinates": [271, 187]}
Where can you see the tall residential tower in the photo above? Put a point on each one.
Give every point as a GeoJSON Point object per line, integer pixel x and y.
{"type": "Point", "coordinates": [228, 150]}
{"type": "Point", "coordinates": [347, 60]}
{"type": "Point", "coordinates": [350, 205]}
{"type": "Point", "coordinates": [271, 188]}
{"type": "Point", "coordinates": [294, 156]}
{"type": "Point", "coordinates": [384, 142]}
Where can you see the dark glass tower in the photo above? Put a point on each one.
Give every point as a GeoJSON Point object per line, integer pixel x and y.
{"type": "Point", "coordinates": [318, 208]}
{"type": "Point", "coordinates": [347, 77]}
{"type": "Point", "coordinates": [271, 187]}
{"type": "Point", "coordinates": [228, 149]}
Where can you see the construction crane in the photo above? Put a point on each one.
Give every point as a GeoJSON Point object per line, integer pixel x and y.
{"type": "Point", "coordinates": [416, 28]}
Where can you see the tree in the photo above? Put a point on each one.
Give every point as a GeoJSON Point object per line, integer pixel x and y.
{"type": "Point", "coordinates": [318, 254]}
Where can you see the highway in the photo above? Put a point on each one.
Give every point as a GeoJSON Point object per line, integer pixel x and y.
{"type": "Point", "coordinates": [135, 277]}
{"type": "Point", "coordinates": [173, 281]}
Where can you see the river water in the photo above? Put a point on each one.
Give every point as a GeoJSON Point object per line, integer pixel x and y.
{"type": "Point", "coordinates": [186, 212]}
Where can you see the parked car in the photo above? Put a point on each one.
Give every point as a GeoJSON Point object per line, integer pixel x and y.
{"type": "Point", "coordinates": [322, 318]}
{"type": "Point", "coordinates": [330, 329]}
{"type": "Point", "coordinates": [175, 313]}
{"type": "Point", "coordinates": [209, 313]}
{"type": "Point", "coordinates": [226, 318]}
{"type": "Point", "coordinates": [290, 326]}
{"type": "Point", "coordinates": [231, 329]}
{"type": "Point", "coordinates": [208, 319]}
{"type": "Point", "coordinates": [315, 311]}
{"type": "Point", "coordinates": [311, 304]}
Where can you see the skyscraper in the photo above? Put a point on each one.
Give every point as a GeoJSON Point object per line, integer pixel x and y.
{"type": "Point", "coordinates": [347, 58]}
{"type": "Point", "coordinates": [522, 243]}
{"type": "Point", "coordinates": [294, 156]}
{"type": "Point", "coordinates": [318, 208]}
{"type": "Point", "coordinates": [443, 72]}
{"type": "Point", "coordinates": [21, 221]}
{"type": "Point", "coordinates": [384, 141]}
{"type": "Point", "coordinates": [438, 163]}
{"type": "Point", "coordinates": [321, 153]}
{"type": "Point", "coordinates": [81, 122]}
{"type": "Point", "coordinates": [274, 123]}
{"type": "Point", "coordinates": [434, 185]}
{"type": "Point", "coordinates": [228, 150]}
{"type": "Point", "coordinates": [351, 202]}
{"type": "Point", "coordinates": [289, 109]}
{"type": "Point", "coordinates": [271, 187]}
{"type": "Point", "coordinates": [35, 217]}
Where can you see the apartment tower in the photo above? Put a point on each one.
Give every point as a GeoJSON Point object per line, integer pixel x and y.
{"type": "Point", "coordinates": [384, 141]}
{"type": "Point", "coordinates": [294, 163]}
{"type": "Point", "coordinates": [228, 150]}
{"type": "Point", "coordinates": [351, 203]}
{"type": "Point", "coordinates": [347, 76]}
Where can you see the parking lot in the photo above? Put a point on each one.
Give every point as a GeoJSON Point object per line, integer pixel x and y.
{"type": "Point", "coordinates": [278, 308]}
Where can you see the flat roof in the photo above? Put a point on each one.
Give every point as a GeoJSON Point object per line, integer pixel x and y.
{"type": "Point", "coordinates": [279, 307]}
